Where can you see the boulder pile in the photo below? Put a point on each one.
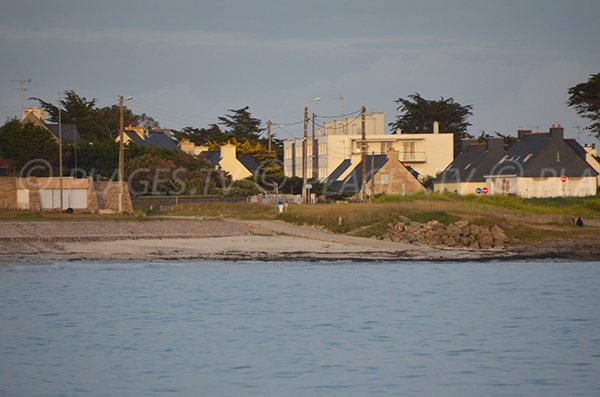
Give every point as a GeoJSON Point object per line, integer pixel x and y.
{"type": "Point", "coordinates": [461, 234]}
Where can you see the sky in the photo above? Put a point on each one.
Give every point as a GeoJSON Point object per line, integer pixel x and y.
{"type": "Point", "coordinates": [187, 62]}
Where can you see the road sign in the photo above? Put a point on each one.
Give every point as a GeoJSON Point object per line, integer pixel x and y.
{"type": "Point", "coordinates": [308, 186]}
{"type": "Point", "coordinates": [478, 190]}
{"type": "Point", "coordinates": [484, 190]}
{"type": "Point", "coordinates": [563, 179]}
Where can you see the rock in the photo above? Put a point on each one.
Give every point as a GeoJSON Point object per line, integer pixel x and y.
{"type": "Point", "coordinates": [462, 224]}
{"type": "Point", "coordinates": [416, 224]}
{"type": "Point", "coordinates": [410, 237]}
{"type": "Point", "coordinates": [474, 229]}
{"type": "Point", "coordinates": [106, 211]}
{"type": "Point", "coordinates": [485, 239]}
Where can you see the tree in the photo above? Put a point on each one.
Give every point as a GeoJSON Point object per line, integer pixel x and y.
{"type": "Point", "coordinates": [93, 123]}
{"type": "Point", "coordinates": [241, 125]}
{"type": "Point", "coordinates": [201, 136]}
{"type": "Point", "coordinates": [417, 115]}
{"type": "Point", "coordinates": [22, 143]}
{"type": "Point", "coordinates": [585, 98]}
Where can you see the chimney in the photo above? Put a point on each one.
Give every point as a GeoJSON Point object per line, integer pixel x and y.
{"type": "Point", "coordinates": [495, 145]}
{"type": "Point", "coordinates": [393, 155]}
{"type": "Point", "coordinates": [228, 152]}
{"type": "Point", "coordinates": [464, 143]}
{"type": "Point", "coordinates": [436, 127]}
{"type": "Point", "coordinates": [522, 132]}
{"type": "Point", "coordinates": [557, 132]}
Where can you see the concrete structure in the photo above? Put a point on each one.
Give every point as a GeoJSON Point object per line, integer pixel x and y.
{"type": "Point", "coordinates": [427, 153]}
{"type": "Point", "coordinates": [385, 174]}
{"type": "Point", "coordinates": [592, 158]}
{"type": "Point", "coordinates": [238, 167]}
{"type": "Point", "coordinates": [43, 194]}
{"type": "Point", "coordinates": [543, 165]}
{"type": "Point", "coordinates": [467, 172]}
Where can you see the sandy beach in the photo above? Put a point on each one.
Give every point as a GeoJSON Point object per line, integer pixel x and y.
{"type": "Point", "coordinates": [207, 239]}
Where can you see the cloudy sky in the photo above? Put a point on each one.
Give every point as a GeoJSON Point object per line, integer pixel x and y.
{"type": "Point", "coordinates": [187, 62]}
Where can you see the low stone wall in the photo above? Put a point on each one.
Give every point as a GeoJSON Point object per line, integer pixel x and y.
{"type": "Point", "coordinates": [8, 192]}
{"type": "Point", "coordinates": [460, 234]}
{"type": "Point", "coordinates": [107, 197]}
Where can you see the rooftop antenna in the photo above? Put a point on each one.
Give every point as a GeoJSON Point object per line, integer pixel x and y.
{"type": "Point", "coordinates": [22, 88]}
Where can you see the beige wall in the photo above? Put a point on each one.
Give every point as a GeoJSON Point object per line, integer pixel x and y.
{"type": "Point", "coordinates": [462, 188]}
{"type": "Point", "coordinates": [543, 187]}
{"type": "Point", "coordinates": [432, 152]}
{"type": "Point", "coordinates": [399, 179]}
{"type": "Point", "coordinates": [231, 164]}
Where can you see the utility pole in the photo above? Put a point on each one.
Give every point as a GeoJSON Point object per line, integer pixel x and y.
{"type": "Point", "coordinates": [60, 169]}
{"type": "Point", "coordinates": [304, 157]}
{"type": "Point", "coordinates": [314, 149]}
{"type": "Point", "coordinates": [372, 176]}
{"type": "Point", "coordinates": [363, 187]}
{"type": "Point", "coordinates": [269, 135]}
{"type": "Point", "coordinates": [121, 154]}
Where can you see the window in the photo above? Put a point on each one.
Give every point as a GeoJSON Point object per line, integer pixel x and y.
{"type": "Point", "coordinates": [409, 150]}
{"type": "Point", "coordinates": [384, 179]}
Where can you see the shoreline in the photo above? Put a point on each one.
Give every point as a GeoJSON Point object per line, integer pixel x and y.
{"type": "Point", "coordinates": [194, 239]}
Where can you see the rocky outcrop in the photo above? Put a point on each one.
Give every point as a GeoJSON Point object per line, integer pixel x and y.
{"type": "Point", "coordinates": [460, 234]}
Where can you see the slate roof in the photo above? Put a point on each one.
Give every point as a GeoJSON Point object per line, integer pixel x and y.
{"type": "Point", "coordinates": [353, 181]}
{"type": "Point", "coordinates": [160, 140]}
{"type": "Point", "coordinates": [248, 162]}
{"type": "Point", "coordinates": [69, 132]}
{"type": "Point", "coordinates": [533, 155]}
{"type": "Point", "coordinates": [576, 147]}
{"type": "Point", "coordinates": [472, 164]}
{"type": "Point", "coordinates": [134, 137]}
{"type": "Point", "coordinates": [340, 169]}
{"type": "Point", "coordinates": [213, 156]}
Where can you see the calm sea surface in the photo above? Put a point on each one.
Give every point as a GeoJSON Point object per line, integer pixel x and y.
{"type": "Point", "coordinates": [300, 329]}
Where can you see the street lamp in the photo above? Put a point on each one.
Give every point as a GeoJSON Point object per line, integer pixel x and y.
{"type": "Point", "coordinates": [121, 153]}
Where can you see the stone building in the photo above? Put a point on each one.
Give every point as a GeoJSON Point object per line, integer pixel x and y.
{"type": "Point", "coordinates": [385, 173]}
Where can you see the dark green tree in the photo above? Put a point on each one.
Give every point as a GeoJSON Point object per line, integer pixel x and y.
{"type": "Point", "coordinates": [585, 99]}
{"type": "Point", "coordinates": [22, 143]}
{"type": "Point", "coordinates": [93, 123]}
{"type": "Point", "coordinates": [240, 124]}
{"type": "Point", "coordinates": [417, 115]}
{"type": "Point", "coordinates": [201, 136]}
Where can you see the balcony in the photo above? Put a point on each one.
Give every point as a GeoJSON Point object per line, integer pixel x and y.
{"type": "Point", "coordinates": [413, 157]}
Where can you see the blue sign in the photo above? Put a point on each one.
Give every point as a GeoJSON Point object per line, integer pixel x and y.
{"type": "Point", "coordinates": [478, 190]}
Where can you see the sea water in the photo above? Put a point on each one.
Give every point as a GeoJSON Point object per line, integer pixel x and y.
{"type": "Point", "coordinates": [300, 329]}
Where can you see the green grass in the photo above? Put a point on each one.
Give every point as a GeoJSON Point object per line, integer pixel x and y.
{"type": "Point", "coordinates": [440, 216]}
{"type": "Point", "coordinates": [217, 209]}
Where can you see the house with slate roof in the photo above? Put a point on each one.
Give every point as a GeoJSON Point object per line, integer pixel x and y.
{"type": "Point", "coordinates": [238, 167]}
{"type": "Point", "coordinates": [543, 165]}
{"type": "Point", "coordinates": [466, 174]}
{"type": "Point", "coordinates": [160, 138]}
{"type": "Point", "coordinates": [385, 174]}
{"type": "Point", "coordinates": [68, 131]}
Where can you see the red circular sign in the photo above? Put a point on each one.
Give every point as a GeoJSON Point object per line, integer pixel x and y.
{"type": "Point", "coordinates": [484, 190]}
{"type": "Point", "coordinates": [563, 179]}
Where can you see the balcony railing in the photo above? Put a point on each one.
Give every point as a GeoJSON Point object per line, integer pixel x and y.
{"type": "Point", "coordinates": [407, 157]}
